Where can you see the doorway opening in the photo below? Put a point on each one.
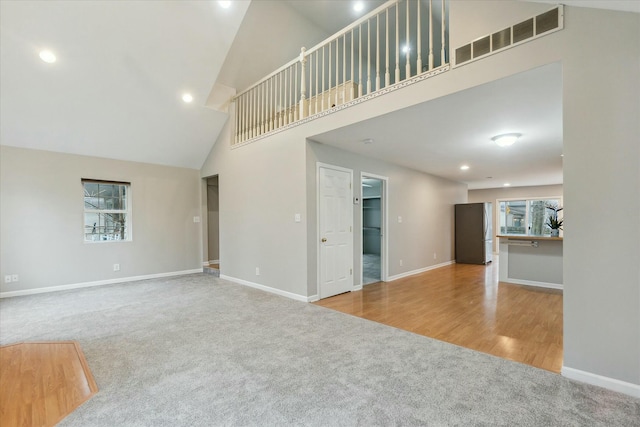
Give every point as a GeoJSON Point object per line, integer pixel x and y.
{"type": "Point", "coordinates": [373, 229]}
{"type": "Point", "coordinates": [212, 265]}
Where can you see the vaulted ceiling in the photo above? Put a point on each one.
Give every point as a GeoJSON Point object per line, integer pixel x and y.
{"type": "Point", "coordinates": [122, 67]}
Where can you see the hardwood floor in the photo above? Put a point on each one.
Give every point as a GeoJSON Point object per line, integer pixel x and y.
{"type": "Point", "coordinates": [41, 383]}
{"type": "Point", "coordinates": [465, 305]}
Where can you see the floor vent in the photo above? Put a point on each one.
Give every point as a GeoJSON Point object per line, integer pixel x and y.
{"type": "Point", "coordinates": [524, 31]}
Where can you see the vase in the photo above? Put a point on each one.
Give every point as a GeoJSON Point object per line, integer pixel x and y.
{"type": "Point", "coordinates": [555, 232]}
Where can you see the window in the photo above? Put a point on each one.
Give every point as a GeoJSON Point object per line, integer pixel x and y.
{"type": "Point", "coordinates": [526, 216]}
{"type": "Point", "coordinates": [106, 211]}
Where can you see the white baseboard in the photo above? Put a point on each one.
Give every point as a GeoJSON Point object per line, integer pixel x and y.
{"type": "Point", "coordinates": [96, 283]}
{"type": "Point", "coordinates": [356, 288]}
{"type": "Point", "coordinates": [313, 298]}
{"type": "Point", "coordinates": [534, 283]}
{"type": "Point", "coordinates": [600, 381]}
{"type": "Point", "coordinates": [418, 271]}
{"type": "Point", "coordinates": [267, 289]}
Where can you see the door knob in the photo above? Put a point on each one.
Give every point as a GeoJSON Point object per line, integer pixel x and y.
{"type": "Point", "coordinates": [323, 239]}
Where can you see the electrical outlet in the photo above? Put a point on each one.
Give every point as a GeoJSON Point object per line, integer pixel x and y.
{"type": "Point", "coordinates": [257, 271]}
{"type": "Point", "coordinates": [7, 279]}
{"type": "Point", "coordinates": [116, 267]}
{"type": "Point", "coordinates": [400, 263]}
{"type": "Point", "coordinates": [196, 219]}
{"type": "Point", "coordinates": [434, 255]}
{"type": "Point", "coordinates": [297, 218]}
{"type": "Point", "coordinates": [399, 219]}
{"type": "Point", "coordinates": [14, 278]}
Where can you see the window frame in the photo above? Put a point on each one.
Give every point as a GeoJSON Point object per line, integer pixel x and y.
{"type": "Point", "coordinates": [527, 201]}
{"type": "Point", "coordinates": [127, 212]}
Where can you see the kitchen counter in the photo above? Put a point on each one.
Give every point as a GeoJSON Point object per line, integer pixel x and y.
{"type": "Point", "coordinates": [531, 260]}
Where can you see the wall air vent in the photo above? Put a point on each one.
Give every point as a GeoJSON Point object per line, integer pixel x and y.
{"type": "Point", "coordinates": [522, 32]}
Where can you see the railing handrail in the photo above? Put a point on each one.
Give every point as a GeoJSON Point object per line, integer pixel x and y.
{"type": "Point", "coordinates": [328, 40]}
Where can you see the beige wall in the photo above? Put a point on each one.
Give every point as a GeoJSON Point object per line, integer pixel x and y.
{"type": "Point", "coordinates": [601, 104]}
{"type": "Point", "coordinates": [42, 220]}
{"type": "Point", "coordinates": [261, 188]}
{"type": "Point", "coordinates": [494, 194]}
{"type": "Point", "coordinates": [425, 203]}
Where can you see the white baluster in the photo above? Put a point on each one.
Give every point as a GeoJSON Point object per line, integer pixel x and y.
{"type": "Point", "coordinates": [353, 80]}
{"type": "Point", "coordinates": [408, 64]}
{"type": "Point", "coordinates": [430, 34]}
{"type": "Point", "coordinates": [288, 92]}
{"type": "Point", "coordinates": [378, 52]}
{"type": "Point", "coordinates": [419, 60]}
{"type": "Point", "coordinates": [323, 86]}
{"type": "Point", "coordinates": [360, 60]}
{"type": "Point", "coordinates": [272, 103]}
{"type": "Point", "coordinates": [292, 93]}
{"type": "Point", "coordinates": [250, 114]}
{"type": "Point", "coordinates": [368, 56]}
{"type": "Point", "coordinates": [280, 103]}
{"type": "Point", "coordinates": [329, 72]}
{"type": "Point", "coordinates": [317, 94]}
{"type": "Point", "coordinates": [442, 52]}
{"type": "Point", "coordinates": [344, 68]}
{"type": "Point", "coordinates": [387, 78]}
{"type": "Point", "coordinates": [397, 42]}
{"type": "Point", "coordinates": [303, 85]}
{"type": "Point", "coordinates": [335, 103]}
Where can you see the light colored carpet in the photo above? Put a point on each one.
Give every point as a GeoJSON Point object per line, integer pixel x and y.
{"type": "Point", "coordinates": [199, 351]}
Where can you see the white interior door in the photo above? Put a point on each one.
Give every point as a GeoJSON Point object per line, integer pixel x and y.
{"type": "Point", "coordinates": [335, 219]}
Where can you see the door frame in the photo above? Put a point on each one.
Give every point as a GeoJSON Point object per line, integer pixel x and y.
{"type": "Point", "coordinates": [320, 165]}
{"type": "Point", "coordinates": [384, 224]}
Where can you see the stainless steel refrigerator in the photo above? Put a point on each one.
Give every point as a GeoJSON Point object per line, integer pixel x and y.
{"type": "Point", "coordinates": [474, 233]}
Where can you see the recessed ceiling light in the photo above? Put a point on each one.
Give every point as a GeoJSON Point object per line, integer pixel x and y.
{"type": "Point", "coordinates": [358, 6]}
{"type": "Point", "coordinates": [368, 140]}
{"type": "Point", "coordinates": [47, 56]}
{"type": "Point", "coordinates": [506, 184]}
{"type": "Point", "coordinates": [464, 167]}
{"type": "Point", "coordinates": [506, 139]}
{"type": "Point", "coordinates": [187, 97]}
{"type": "Point", "coordinates": [224, 4]}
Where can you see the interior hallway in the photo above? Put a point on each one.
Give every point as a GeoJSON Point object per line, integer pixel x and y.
{"type": "Point", "coordinates": [465, 304]}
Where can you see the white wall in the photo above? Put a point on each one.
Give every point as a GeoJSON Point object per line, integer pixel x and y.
{"type": "Point", "coordinates": [271, 35]}
{"type": "Point", "coordinates": [261, 188]}
{"type": "Point", "coordinates": [494, 194]}
{"type": "Point", "coordinates": [42, 220]}
{"type": "Point", "coordinates": [601, 180]}
{"type": "Point", "coordinates": [425, 203]}
{"type": "Point", "coordinates": [601, 104]}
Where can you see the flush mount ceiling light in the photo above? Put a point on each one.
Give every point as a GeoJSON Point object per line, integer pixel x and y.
{"type": "Point", "coordinates": [187, 97]}
{"type": "Point", "coordinates": [506, 184]}
{"type": "Point", "coordinates": [464, 167]}
{"type": "Point", "coordinates": [358, 6]}
{"type": "Point", "coordinates": [506, 139]}
{"type": "Point", "coordinates": [224, 4]}
{"type": "Point", "coordinates": [47, 56]}
{"type": "Point", "coordinates": [367, 141]}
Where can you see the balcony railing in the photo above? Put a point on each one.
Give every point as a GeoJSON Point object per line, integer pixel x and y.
{"type": "Point", "coordinates": [398, 41]}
